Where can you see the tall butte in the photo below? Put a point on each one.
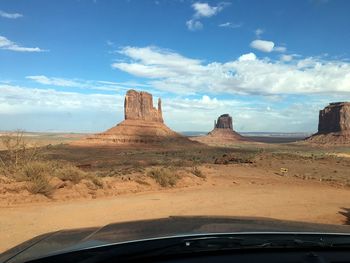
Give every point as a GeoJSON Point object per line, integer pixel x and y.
{"type": "Point", "coordinates": [143, 124]}
{"type": "Point", "coordinates": [333, 125]}
{"type": "Point", "coordinates": [222, 133]}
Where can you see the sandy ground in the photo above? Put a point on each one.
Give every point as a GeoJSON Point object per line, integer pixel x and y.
{"type": "Point", "coordinates": [234, 191]}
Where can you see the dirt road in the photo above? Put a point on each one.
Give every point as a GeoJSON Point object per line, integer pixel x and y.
{"type": "Point", "coordinates": [241, 192]}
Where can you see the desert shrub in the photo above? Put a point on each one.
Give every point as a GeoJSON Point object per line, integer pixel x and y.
{"type": "Point", "coordinates": [17, 153]}
{"type": "Point", "coordinates": [164, 177]}
{"type": "Point", "coordinates": [139, 181]}
{"type": "Point", "coordinates": [197, 172]}
{"type": "Point", "coordinates": [22, 162]}
{"type": "Point", "coordinates": [235, 159]}
{"type": "Point", "coordinates": [96, 181]}
{"type": "Point", "coordinates": [69, 173]}
{"type": "Point", "coordinates": [40, 185]}
{"type": "Point", "coordinates": [34, 169]}
{"type": "Point", "coordinates": [37, 176]}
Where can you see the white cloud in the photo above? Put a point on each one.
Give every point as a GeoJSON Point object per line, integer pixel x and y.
{"type": "Point", "coordinates": [54, 81]}
{"type": "Point", "coordinates": [230, 25]}
{"type": "Point", "coordinates": [18, 99]}
{"type": "Point", "coordinates": [100, 85]}
{"type": "Point", "coordinates": [259, 32]}
{"type": "Point", "coordinates": [286, 58]}
{"type": "Point", "coordinates": [205, 10]}
{"type": "Point", "coordinates": [9, 45]}
{"type": "Point", "coordinates": [152, 62]}
{"type": "Point", "coordinates": [171, 72]}
{"type": "Point", "coordinates": [194, 25]}
{"type": "Point", "coordinates": [247, 57]}
{"type": "Point", "coordinates": [280, 49]}
{"type": "Point", "coordinates": [110, 43]}
{"type": "Point", "coordinates": [50, 110]}
{"type": "Point", "coordinates": [10, 15]}
{"type": "Point", "coordinates": [262, 45]}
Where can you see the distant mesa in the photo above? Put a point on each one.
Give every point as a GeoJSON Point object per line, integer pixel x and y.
{"type": "Point", "coordinates": [333, 124]}
{"type": "Point", "coordinates": [143, 124]}
{"type": "Point", "coordinates": [222, 133]}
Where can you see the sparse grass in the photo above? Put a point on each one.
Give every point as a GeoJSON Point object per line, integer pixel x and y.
{"type": "Point", "coordinates": [164, 177]}
{"type": "Point", "coordinates": [197, 172]}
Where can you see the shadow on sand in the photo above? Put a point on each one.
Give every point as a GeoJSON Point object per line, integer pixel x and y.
{"type": "Point", "coordinates": [345, 212]}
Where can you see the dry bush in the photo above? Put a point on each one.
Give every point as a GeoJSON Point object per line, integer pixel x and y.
{"type": "Point", "coordinates": [235, 159]}
{"type": "Point", "coordinates": [197, 172]}
{"type": "Point", "coordinates": [139, 181]}
{"type": "Point", "coordinates": [164, 177]}
{"type": "Point", "coordinates": [22, 163]}
{"type": "Point", "coordinates": [33, 169]}
{"type": "Point", "coordinates": [37, 176]}
{"type": "Point", "coordinates": [40, 185]}
{"type": "Point", "coordinates": [96, 181]}
{"type": "Point", "coordinates": [17, 153]}
{"type": "Point", "coordinates": [68, 172]}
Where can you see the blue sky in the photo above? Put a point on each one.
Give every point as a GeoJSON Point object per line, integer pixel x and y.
{"type": "Point", "coordinates": [66, 65]}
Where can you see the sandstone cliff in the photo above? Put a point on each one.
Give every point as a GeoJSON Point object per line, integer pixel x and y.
{"type": "Point", "coordinates": [334, 118]}
{"type": "Point", "coordinates": [333, 125]}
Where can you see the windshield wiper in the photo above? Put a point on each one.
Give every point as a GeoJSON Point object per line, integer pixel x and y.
{"type": "Point", "coordinates": [255, 241]}
{"type": "Point", "coordinates": [251, 242]}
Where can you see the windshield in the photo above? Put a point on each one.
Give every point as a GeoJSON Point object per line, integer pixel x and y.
{"type": "Point", "coordinates": [123, 111]}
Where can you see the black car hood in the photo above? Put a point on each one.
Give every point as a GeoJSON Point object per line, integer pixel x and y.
{"type": "Point", "coordinates": [67, 240]}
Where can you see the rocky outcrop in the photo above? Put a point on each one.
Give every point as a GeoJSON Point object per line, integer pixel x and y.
{"type": "Point", "coordinates": [143, 125]}
{"type": "Point", "coordinates": [139, 106]}
{"type": "Point", "coordinates": [333, 124]}
{"type": "Point", "coordinates": [334, 118]}
{"type": "Point", "coordinates": [224, 122]}
{"type": "Point", "coordinates": [222, 134]}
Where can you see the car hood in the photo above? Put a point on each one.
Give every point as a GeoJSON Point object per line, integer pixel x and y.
{"type": "Point", "coordinates": [68, 240]}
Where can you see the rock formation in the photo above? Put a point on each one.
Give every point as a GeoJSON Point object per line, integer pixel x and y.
{"type": "Point", "coordinates": [143, 124]}
{"type": "Point", "coordinates": [224, 122]}
{"type": "Point", "coordinates": [333, 124]}
{"type": "Point", "coordinates": [334, 118]}
{"type": "Point", "coordinates": [139, 106]}
{"type": "Point", "coordinates": [222, 133]}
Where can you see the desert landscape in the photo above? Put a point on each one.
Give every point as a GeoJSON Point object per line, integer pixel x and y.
{"type": "Point", "coordinates": [141, 169]}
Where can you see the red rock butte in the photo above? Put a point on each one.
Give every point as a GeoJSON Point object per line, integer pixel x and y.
{"type": "Point", "coordinates": [143, 124]}
{"type": "Point", "coordinates": [333, 125]}
{"type": "Point", "coordinates": [222, 133]}
{"type": "Point", "coordinates": [139, 106]}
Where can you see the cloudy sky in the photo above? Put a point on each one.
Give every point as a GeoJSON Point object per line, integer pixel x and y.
{"type": "Point", "coordinates": [66, 65]}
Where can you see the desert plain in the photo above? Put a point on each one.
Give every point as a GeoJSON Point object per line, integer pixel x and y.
{"type": "Point", "coordinates": [263, 177]}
